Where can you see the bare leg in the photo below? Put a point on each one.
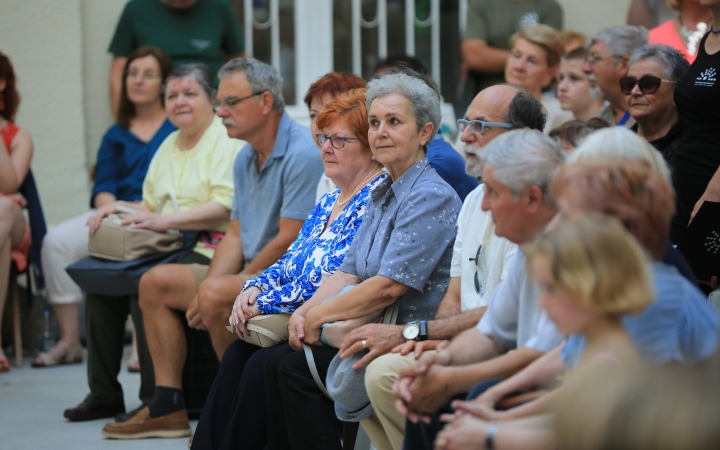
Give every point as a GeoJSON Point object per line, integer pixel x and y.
{"type": "Point", "coordinates": [68, 318]}
{"type": "Point", "coordinates": [164, 290]}
{"type": "Point", "coordinates": [216, 296]}
{"type": "Point", "coordinates": [12, 228]}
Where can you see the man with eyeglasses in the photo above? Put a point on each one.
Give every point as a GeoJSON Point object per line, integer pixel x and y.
{"type": "Point", "coordinates": [609, 52]}
{"type": "Point", "coordinates": [275, 177]}
{"type": "Point", "coordinates": [480, 260]}
{"type": "Point", "coordinates": [513, 332]}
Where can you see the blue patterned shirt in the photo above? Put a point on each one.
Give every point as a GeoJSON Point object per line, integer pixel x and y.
{"type": "Point", "coordinates": [408, 236]}
{"type": "Point", "coordinates": [314, 256]}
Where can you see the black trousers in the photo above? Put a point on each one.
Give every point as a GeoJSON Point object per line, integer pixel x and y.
{"type": "Point", "coordinates": [300, 415]}
{"type": "Point", "coordinates": [105, 332]}
{"type": "Point", "coordinates": [235, 411]}
{"type": "Point", "coordinates": [421, 436]}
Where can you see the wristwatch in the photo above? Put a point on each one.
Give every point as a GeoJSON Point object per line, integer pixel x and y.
{"type": "Point", "coordinates": [416, 330]}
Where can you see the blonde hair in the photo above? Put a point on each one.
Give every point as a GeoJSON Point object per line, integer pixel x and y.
{"type": "Point", "coordinates": [546, 37]}
{"type": "Point", "coordinates": [568, 36]}
{"type": "Point", "coordinates": [620, 144]}
{"type": "Point", "coordinates": [594, 261]}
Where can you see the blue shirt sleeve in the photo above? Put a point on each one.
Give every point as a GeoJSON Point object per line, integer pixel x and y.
{"type": "Point", "coordinates": [425, 211]}
{"type": "Point", "coordinates": [107, 165]}
{"type": "Point", "coordinates": [450, 165]}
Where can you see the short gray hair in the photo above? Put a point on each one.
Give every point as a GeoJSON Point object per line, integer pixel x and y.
{"type": "Point", "coordinates": [524, 158]}
{"type": "Point", "coordinates": [424, 101]}
{"type": "Point", "coordinates": [198, 72]}
{"type": "Point", "coordinates": [674, 65]}
{"type": "Point", "coordinates": [620, 144]}
{"type": "Point", "coordinates": [260, 77]}
{"type": "Point", "coordinates": [620, 41]}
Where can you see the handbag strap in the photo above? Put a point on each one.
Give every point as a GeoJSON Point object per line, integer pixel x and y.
{"type": "Point", "coordinates": [264, 331]}
{"type": "Point", "coordinates": [313, 370]}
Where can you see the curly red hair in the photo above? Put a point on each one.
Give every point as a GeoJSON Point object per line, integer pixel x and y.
{"type": "Point", "coordinates": [9, 97]}
{"type": "Point", "coordinates": [332, 84]}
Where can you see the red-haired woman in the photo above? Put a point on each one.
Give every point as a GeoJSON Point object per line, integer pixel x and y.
{"type": "Point", "coordinates": [16, 150]}
{"type": "Point", "coordinates": [320, 93]}
{"type": "Point", "coordinates": [234, 415]}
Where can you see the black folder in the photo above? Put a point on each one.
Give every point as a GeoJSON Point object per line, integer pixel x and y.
{"type": "Point", "coordinates": [700, 245]}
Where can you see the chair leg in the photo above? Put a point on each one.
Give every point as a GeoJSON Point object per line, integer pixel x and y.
{"type": "Point", "coordinates": [16, 320]}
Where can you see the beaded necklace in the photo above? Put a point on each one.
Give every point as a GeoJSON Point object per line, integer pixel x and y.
{"type": "Point", "coordinates": [357, 189]}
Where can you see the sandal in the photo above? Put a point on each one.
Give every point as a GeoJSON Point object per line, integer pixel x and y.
{"type": "Point", "coordinates": [53, 357]}
{"type": "Point", "coordinates": [4, 365]}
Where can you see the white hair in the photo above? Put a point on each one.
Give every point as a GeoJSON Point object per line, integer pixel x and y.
{"type": "Point", "coordinates": [619, 143]}
{"type": "Point", "coordinates": [524, 158]}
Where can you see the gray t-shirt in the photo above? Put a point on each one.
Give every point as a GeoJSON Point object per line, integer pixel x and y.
{"type": "Point", "coordinates": [407, 235]}
{"type": "Point", "coordinates": [285, 186]}
{"type": "Point", "coordinates": [513, 318]}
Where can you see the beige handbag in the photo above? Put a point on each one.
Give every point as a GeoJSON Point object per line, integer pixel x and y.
{"type": "Point", "coordinates": [122, 243]}
{"type": "Point", "coordinates": [267, 330]}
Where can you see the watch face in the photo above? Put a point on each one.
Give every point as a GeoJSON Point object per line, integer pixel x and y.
{"type": "Point", "coordinates": [411, 331]}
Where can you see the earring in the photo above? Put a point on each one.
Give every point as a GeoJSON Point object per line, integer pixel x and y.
{"type": "Point", "coordinates": [372, 158]}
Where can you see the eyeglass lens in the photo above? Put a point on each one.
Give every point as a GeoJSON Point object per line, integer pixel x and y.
{"type": "Point", "coordinates": [647, 84]}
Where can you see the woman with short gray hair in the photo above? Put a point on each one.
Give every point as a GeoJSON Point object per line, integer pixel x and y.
{"type": "Point", "coordinates": [401, 253]}
{"type": "Point", "coordinates": [649, 86]}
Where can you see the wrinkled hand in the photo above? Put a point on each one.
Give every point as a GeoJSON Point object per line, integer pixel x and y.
{"type": "Point", "coordinates": [94, 220]}
{"type": "Point", "coordinates": [147, 220]}
{"type": "Point", "coordinates": [193, 315]}
{"type": "Point", "coordinates": [296, 326]}
{"type": "Point", "coordinates": [430, 391]}
{"type": "Point", "coordinates": [242, 309]}
{"type": "Point", "coordinates": [420, 347]}
{"type": "Point", "coordinates": [406, 397]}
{"type": "Point", "coordinates": [379, 339]}
{"type": "Point", "coordinates": [465, 433]}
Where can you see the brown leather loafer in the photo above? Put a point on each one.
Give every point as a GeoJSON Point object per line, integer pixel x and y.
{"type": "Point", "coordinates": [92, 411]}
{"type": "Point", "coordinates": [143, 426]}
{"type": "Point", "coordinates": [124, 417]}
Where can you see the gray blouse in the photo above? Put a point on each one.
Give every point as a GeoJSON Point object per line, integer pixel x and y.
{"type": "Point", "coordinates": [407, 235]}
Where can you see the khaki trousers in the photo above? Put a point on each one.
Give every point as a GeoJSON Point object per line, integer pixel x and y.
{"type": "Point", "coordinates": [386, 427]}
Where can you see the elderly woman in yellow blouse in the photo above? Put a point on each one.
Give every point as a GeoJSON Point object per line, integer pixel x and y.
{"type": "Point", "coordinates": [193, 165]}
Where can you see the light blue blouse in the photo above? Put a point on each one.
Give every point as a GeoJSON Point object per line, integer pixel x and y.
{"type": "Point", "coordinates": [314, 256]}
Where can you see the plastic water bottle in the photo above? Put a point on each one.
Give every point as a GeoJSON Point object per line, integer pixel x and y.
{"type": "Point", "coordinates": [46, 342]}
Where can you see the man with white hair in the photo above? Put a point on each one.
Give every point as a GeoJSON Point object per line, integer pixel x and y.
{"type": "Point", "coordinates": [609, 52]}
{"type": "Point", "coordinates": [479, 260]}
{"type": "Point", "coordinates": [513, 332]}
{"type": "Point", "coordinates": [275, 176]}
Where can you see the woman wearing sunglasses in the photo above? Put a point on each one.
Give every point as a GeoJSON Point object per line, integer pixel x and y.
{"type": "Point", "coordinates": [649, 87]}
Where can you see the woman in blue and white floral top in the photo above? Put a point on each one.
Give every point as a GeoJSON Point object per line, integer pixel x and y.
{"type": "Point", "coordinates": [234, 415]}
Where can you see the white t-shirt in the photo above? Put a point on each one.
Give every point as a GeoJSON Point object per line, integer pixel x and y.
{"type": "Point", "coordinates": [325, 185]}
{"type": "Point", "coordinates": [556, 116]}
{"type": "Point", "coordinates": [475, 226]}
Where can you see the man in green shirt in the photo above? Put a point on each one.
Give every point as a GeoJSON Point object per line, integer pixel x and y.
{"type": "Point", "coordinates": [486, 45]}
{"type": "Point", "coordinates": [189, 31]}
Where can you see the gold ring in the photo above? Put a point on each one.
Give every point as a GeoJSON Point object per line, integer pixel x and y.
{"type": "Point", "coordinates": [364, 343]}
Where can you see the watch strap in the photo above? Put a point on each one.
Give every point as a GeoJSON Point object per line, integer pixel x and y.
{"type": "Point", "coordinates": [423, 330]}
{"type": "Point", "coordinates": [490, 437]}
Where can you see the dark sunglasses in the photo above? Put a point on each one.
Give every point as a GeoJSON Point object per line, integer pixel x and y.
{"type": "Point", "coordinates": [647, 84]}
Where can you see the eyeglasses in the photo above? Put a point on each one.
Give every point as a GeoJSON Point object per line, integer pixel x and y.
{"type": "Point", "coordinates": [478, 126]}
{"type": "Point", "coordinates": [147, 76]}
{"type": "Point", "coordinates": [230, 102]}
{"type": "Point", "coordinates": [593, 57]}
{"type": "Point", "coordinates": [647, 84]}
{"type": "Point", "coordinates": [335, 140]}
{"type": "Point", "coordinates": [479, 272]}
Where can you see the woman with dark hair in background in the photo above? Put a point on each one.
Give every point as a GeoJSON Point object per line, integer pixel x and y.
{"type": "Point", "coordinates": [122, 161]}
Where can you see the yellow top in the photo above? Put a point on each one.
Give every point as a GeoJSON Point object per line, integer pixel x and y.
{"type": "Point", "coordinates": [196, 176]}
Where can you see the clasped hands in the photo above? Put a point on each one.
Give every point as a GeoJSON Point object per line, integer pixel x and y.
{"type": "Point", "coordinates": [244, 308]}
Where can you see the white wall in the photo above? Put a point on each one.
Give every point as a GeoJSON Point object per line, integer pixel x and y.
{"type": "Point", "coordinates": [59, 50]}
{"type": "Point", "coordinates": [43, 40]}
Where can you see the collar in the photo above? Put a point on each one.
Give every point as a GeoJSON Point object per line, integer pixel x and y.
{"type": "Point", "coordinates": [402, 185]}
